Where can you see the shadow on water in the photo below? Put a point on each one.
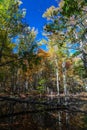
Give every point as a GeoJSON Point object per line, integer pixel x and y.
{"type": "Point", "coordinates": [25, 116]}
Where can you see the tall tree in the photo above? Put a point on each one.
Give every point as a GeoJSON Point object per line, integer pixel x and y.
{"type": "Point", "coordinates": [10, 25]}
{"type": "Point", "coordinates": [55, 32]}
{"type": "Point", "coordinates": [76, 14]}
{"type": "Point", "coordinates": [13, 28]}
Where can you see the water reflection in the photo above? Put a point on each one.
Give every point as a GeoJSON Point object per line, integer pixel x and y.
{"type": "Point", "coordinates": [41, 120]}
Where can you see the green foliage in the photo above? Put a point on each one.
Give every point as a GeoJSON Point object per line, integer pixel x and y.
{"type": "Point", "coordinates": [41, 87]}
{"type": "Point", "coordinates": [76, 53]}
{"type": "Point", "coordinates": [10, 17]}
{"type": "Point", "coordinates": [85, 120]}
{"type": "Point", "coordinates": [10, 26]}
{"type": "Point", "coordinates": [73, 7]}
{"type": "Point", "coordinates": [2, 76]}
{"type": "Point", "coordinates": [79, 69]}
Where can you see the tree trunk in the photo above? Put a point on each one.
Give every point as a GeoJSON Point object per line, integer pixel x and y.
{"type": "Point", "coordinates": [57, 77]}
{"type": "Point", "coordinates": [64, 77]}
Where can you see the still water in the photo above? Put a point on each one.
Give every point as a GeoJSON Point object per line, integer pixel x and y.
{"type": "Point", "coordinates": [24, 116]}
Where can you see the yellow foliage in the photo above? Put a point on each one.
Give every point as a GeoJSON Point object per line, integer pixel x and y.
{"type": "Point", "coordinates": [49, 12]}
{"type": "Point", "coordinates": [42, 53]}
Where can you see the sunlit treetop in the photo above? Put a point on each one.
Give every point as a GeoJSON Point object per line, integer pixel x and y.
{"type": "Point", "coordinates": [72, 7]}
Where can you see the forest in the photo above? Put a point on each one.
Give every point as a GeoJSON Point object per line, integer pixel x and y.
{"type": "Point", "coordinates": [26, 70]}
{"type": "Point", "coordinates": [62, 69]}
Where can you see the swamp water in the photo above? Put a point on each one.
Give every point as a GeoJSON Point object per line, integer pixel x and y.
{"type": "Point", "coordinates": [25, 116]}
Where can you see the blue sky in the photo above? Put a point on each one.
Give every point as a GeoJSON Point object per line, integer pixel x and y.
{"type": "Point", "coordinates": [35, 10]}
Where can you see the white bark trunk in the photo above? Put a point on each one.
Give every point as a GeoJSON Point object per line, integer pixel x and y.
{"type": "Point", "coordinates": [57, 77]}
{"type": "Point", "coordinates": [64, 78]}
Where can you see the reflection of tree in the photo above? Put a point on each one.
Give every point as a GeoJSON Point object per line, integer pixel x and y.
{"type": "Point", "coordinates": [49, 120]}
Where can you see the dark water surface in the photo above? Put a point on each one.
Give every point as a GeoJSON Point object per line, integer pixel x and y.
{"type": "Point", "coordinates": [25, 116]}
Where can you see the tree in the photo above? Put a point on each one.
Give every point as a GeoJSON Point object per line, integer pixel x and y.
{"type": "Point", "coordinates": [10, 25]}
{"type": "Point", "coordinates": [13, 28]}
{"type": "Point", "coordinates": [68, 23]}
{"type": "Point", "coordinates": [55, 32]}
{"type": "Point", "coordinates": [76, 13]}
